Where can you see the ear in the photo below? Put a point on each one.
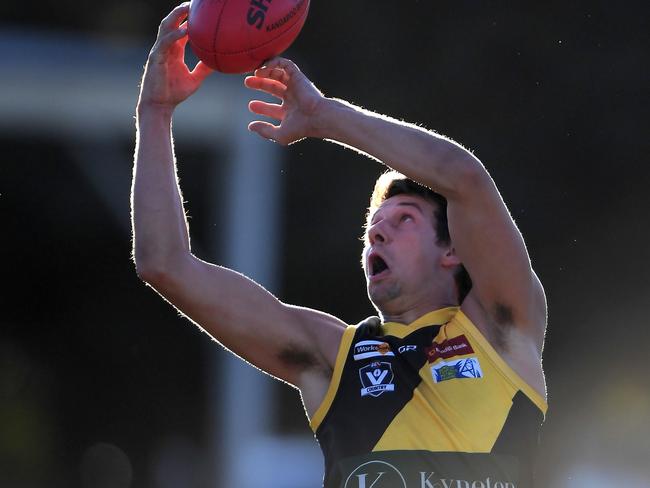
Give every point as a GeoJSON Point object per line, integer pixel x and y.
{"type": "Point", "coordinates": [450, 259]}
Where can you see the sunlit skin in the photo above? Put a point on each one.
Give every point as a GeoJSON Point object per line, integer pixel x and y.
{"type": "Point", "coordinates": [420, 273]}
{"type": "Point", "coordinates": [297, 344]}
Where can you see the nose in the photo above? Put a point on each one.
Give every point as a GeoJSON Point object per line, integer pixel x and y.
{"type": "Point", "coordinates": [378, 232]}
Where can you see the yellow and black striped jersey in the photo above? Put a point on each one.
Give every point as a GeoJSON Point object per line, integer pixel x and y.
{"type": "Point", "coordinates": [426, 405]}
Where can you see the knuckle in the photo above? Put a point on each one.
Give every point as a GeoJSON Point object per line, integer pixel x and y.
{"type": "Point", "coordinates": [155, 50]}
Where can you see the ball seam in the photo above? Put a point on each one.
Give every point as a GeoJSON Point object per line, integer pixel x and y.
{"type": "Point", "coordinates": [216, 33]}
{"type": "Point", "coordinates": [292, 27]}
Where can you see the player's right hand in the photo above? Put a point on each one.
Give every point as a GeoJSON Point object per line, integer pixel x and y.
{"type": "Point", "coordinates": [167, 80]}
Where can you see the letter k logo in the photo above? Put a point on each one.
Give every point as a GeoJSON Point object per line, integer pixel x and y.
{"type": "Point", "coordinates": [362, 477]}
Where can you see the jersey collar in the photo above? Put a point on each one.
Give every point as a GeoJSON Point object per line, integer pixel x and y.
{"type": "Point", "coordinates": [436, 317]}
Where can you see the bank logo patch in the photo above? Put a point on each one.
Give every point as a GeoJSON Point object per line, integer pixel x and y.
{"type": "Point", "coordinates": [457, 346]}
{"type": "Point", "coordinates": [376, 378]}
{"type": "Point", "coordinates": [369, 349]}
{"type": "Point", "coordinates": [456, 369]}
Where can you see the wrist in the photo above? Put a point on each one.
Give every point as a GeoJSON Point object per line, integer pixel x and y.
{"type": "Point", "coordinates": [324, 122]}
{"type": "Point", "coordinates": [147, 109]}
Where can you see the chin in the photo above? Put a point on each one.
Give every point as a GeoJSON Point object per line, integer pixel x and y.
{"type": "Point", "coordinates": [383, 293]}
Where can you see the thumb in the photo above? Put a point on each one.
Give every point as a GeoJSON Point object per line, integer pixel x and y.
{"type": "Point", "coordinates": [201, 71]}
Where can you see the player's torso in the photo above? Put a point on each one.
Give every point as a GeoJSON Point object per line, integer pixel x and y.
{"type": "Point", "coordinates": [422, 404]}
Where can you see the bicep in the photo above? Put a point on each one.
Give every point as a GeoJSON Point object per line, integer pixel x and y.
{"type": "Point", "coordinates": [249, 321]}
{"type": "Point", "coordinates": [494, 253]}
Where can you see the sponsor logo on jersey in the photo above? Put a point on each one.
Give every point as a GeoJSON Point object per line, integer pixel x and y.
{"type": "Point", "coordinates": [376, 378]}
{"type": "Point", "coordinates": [375, 474]}
{"type": "Point", "coordinates": [370, 348]}
{"type": "Point", "coordinates": [380, 474]}
{"type": "Point", "coordinates": [456, 369]}
{"type": "Point", "coordinates": [406, 348]}
{"type": "Point", "coordinates": [458, 346]}
{"type": "Point", "coordinates": [429, 480]}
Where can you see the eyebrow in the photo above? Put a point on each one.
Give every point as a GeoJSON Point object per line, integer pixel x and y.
{"type": "Point", "coordinates": [400, 204]}
{"type": "Point", "coordinates": [411, 204]}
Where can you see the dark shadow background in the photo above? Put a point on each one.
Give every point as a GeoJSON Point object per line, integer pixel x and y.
{"type": "Point", "coordinates": [551, 96]}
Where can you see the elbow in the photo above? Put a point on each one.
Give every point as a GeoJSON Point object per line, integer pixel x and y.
{"type": "Point", "coordinates": [470, 176]}
{"type": "Point", "coordinates": [474, 174]}
{"type": "Point", "coordinates": [153, 272]}
{"type": "Point", "coordinates": [149, 274]}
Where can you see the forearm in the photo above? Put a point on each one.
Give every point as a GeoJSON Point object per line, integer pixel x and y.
{"type": "Point", "coordinates": [160, 231]}
{"type": "Point", "coordinates": [422, 155]}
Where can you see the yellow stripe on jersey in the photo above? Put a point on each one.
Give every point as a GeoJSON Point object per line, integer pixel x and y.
{"type": "Point", "coordinates": [321, 411]}
{"type": "Point", "coordinates": [438, 416]}
{"type": "Point", "coordinates": [464, 324]}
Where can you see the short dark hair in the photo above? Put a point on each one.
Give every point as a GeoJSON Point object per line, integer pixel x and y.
{"type": "Point", "coordinates": [392, 183]}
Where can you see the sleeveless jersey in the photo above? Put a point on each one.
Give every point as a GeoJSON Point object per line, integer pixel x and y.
{"type": "Point", "coordinates": [426, 405]}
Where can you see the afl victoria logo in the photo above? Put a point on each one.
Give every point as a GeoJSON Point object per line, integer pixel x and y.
{"type": "Point", "coordinates": [375, 474]}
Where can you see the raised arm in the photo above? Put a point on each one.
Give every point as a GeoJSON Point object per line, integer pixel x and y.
{"type": "Point", "coordinates": [287, 342]}
{"type": "Point", "coordinates": [483, 233]}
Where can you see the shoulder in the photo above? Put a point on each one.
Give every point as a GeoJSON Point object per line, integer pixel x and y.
{"type": "Point", "coordinates": [520, 347]}
{"type": "Point", "coordinates": [498, 320]}
{"type": "Point", "coordinates": [370, 327]}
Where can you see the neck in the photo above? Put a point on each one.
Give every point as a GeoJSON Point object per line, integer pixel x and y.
{"type": "Point", "coordinates": [407, 316]}
{"type": "Point", "coordinates": [410, 303]}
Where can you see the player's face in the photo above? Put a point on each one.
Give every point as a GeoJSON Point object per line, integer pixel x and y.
{"type": "Point", "coordinates": [401, 257]}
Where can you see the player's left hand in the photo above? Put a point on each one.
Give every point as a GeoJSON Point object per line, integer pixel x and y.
{"type": "Point", "coordinates": [281, 78]}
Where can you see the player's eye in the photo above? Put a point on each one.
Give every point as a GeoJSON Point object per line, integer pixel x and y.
{"type": "Point", "coordinates": [406, 218]}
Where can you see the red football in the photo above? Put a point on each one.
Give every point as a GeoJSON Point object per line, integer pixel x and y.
{"type": "Point", "coordinates": [237, 36]}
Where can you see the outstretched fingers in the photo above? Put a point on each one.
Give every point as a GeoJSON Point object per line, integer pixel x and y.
{"type": "Point", "coordinates": [265, 129]}
{"type": "Point", "coordinates": [276, 74]}
{"type": "Point", "coordinates": [265, 109]}
{"type": "Point", "coordinates": [172, 41]}
{"type": "Point", "coordinates": [282, 70]}
{"type": "Point", "coordinates": [283, 64]}
{"type": "Point", "coordinates": [283, 80]}
{"type": "Point", "coordinates": [174, 18]}
{"type": "Point", "coordinates": [267, 85]}
{"type": "Point", "coordinates": [173, 28]}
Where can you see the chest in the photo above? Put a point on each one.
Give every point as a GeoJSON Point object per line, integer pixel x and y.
{"type": "Point", "coordinates": [391, 368]}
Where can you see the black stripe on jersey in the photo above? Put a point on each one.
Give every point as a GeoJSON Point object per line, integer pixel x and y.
{"type": "Point", "coordinates": [352, 435]}
{"type": "Point", "coordinates": [520, 435]}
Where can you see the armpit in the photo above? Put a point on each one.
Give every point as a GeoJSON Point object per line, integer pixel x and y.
{"type": "Point", "coordinates": [503, 315]}
{"type": "Point", "coordinates": [297, 357]}
{"type": "Point", "coordinates": [503, 320]}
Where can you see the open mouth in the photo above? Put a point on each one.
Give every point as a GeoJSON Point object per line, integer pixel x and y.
{"type": "Point", "coordinates": [377, 265]}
